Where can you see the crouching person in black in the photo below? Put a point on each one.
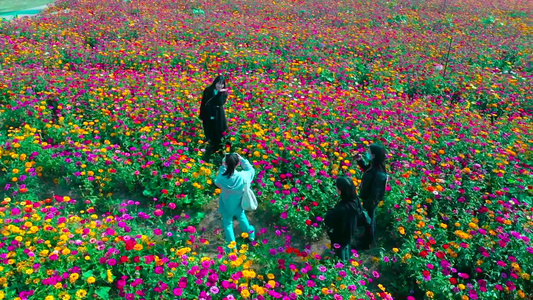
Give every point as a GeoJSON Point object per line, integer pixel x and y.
{"type": "Point", "coordinates": [342, 219]}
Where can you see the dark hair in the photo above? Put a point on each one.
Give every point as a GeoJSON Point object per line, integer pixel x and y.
{"type": "Point", "coordinates": [232, 160]}
{"type": "Point", "coordinates": [347, 188]}
{"type": "Point", "coordinates": [378, 163]}
{"type": "Point", "coordinates": [219, 78]}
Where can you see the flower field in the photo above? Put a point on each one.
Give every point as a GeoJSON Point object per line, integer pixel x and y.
{"type": "Point", "coordinates": [103, 186]}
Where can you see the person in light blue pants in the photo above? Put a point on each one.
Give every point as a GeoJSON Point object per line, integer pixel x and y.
{"type": "Point", "coordinates": [231, 183]}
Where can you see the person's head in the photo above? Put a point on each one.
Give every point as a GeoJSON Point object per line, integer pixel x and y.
{"type": "Point", "coordinates": [232, 161]}
{"type": "Point", "coordinates": [346, 188]}
{"type": "Point", "coordinates": [219, 82]}
{"type": "Point", "coordinates": [377, 155]}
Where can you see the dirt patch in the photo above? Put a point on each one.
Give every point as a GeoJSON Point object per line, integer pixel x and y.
{"type": "Point", "coordinates": [211, 228]}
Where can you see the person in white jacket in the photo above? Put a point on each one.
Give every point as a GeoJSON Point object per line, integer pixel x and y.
{"type": "Point", "coordinates": [232, 183]}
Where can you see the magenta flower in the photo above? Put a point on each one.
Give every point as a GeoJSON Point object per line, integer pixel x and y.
{"type": "Point", "coordinates": [214, 290]}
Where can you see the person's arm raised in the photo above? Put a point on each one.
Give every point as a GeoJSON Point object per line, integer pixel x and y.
{"type": "Point", "coordinates": [247, 166]}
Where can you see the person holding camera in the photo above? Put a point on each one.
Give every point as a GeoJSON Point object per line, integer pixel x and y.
{"type": "Point", "coordinates": [212, 114]}
{"type": "Point", "coordinates": [232, 183]}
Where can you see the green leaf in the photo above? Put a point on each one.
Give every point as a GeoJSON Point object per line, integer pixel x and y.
{"type": "Point", "coordinates": [87, 274]}
{"type": "Point", "coordinates": [103, 275]}
{"type": "Point", "coordinates": [103, 292]}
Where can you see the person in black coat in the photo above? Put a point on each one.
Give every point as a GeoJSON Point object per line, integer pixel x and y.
{"type": "Point", "coordinates": [342, 219]}
{"type": "Point", "coordinates": [212, 113]}
{"type": "Point", "coordinates": [372, 189]}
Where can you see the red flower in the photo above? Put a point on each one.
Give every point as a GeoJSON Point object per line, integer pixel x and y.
{"type": "Point", "coordinates": [130, 244]}
{"type": "Point", "coordinates": [423, 254]}
{"type": "Point", "coordinates": [453, 280]}
{"type": "Point", "coordinates": [308, 222]}
{"type": "Point", "coordinates": [164, 191]}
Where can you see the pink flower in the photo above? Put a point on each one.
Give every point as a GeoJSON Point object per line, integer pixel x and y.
{"type": "Point", "coordinates": [158, 231]}
{"type": "Point", "coordinates": [177, 292]}
{"type": "Point", "coordinates": [190, 229]}
{"type": "Point", "coordinates": [112, 262]}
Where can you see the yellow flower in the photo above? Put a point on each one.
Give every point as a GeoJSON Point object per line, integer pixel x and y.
{"type": "Point", "coordinates": [461, 286]}
{"type": "Point", "coordinates": [109, 275]}
{"type": "Point", "coordinates": [49, 298]}
{"type": "Point", "coordinates": [298, 292]}
{"type": "Point", "coordinates": [245, 293]}
{"type": "Point", "coordinates": [65, 296]}
{"type": "Point", "coordinates": [271, 283]}
{"type": "Point", "coordinates": [81, 293]}
{"type": "Point", "coordinates": [395, 250]}
{"type": "Point", "coordinates": [91, 280]}
{"type": "Point", "coordinates": [73, 277]}
{"type": "Point", "coordinates": [401, 230]}
{"type": "Point", "coordinates": [430, 294]}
